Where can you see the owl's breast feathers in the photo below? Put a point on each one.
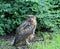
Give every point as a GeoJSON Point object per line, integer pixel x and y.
{"type": "Point", "coordinates": [28, 30]}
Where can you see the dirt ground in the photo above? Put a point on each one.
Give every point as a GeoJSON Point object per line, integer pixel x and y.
{"type": "Point", "coordinates": [7, 41]}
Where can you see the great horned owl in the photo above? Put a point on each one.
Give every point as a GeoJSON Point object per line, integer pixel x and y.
{"type": "Point", "coordinates": [26, 30]}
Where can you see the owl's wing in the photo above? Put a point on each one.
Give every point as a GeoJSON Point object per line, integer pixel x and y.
{"type": "Point", "coordinates": [26, 32]}
{"type": "Point", "coordinates": [22, 26]}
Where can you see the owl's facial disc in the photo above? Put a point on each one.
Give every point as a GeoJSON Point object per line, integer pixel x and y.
{"type": "Point", "coordinates": [31, 18]}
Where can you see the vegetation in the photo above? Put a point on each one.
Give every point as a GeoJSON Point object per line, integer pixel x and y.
{"type": "Point", "coordinates": [13, 12]}
{"type": "Point", "coordinates": [47, 12]}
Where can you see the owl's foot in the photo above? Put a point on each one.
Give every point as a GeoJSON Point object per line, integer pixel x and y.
{"type": "Point", "coordinates": [27, 42]}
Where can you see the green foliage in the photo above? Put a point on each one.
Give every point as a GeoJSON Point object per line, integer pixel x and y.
{"type": "Point", "coordinates": [12, 13]}
{"type": "Point", "coordinates": [5, 45]}
{"type": "Point", "coordinates": [47, 44]}
{"type": "Point", "coordinates": [49, 16]}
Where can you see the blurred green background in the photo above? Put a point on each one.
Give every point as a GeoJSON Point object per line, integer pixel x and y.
{"type": "Point", "coordinates": [47, 12]}
{"type": "Point", "coordinates": [13, 12]}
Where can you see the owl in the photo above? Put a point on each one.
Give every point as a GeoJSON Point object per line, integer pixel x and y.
{"type": "Point", "coordinates": [26, 31]}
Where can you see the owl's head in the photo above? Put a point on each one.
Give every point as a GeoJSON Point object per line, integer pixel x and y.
{"type": "Point", "coordinates": [31, 17]}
